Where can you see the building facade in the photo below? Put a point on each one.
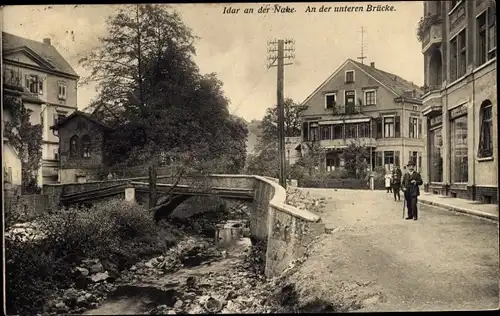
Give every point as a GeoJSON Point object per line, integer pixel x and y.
{"type": "Point", "coordinates": [47, 85]}
{"type": "Point", "coordinates": [81, 147]}
{"type": "Point", "coordinates": [362, 104]}
{"type": "Point", "coordinates": [460, 103]}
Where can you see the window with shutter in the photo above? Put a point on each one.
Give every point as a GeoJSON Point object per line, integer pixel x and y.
{"type": "Point", "coordinates": [397, 130]}
{"type": "Point", "coordinates": [419, 127]}
{"type": "Point", "coordinates": [379, 127]}
{"type": "Point", "coordinates": [305, 131]}
{"type": "Point", "coordinates": [396, 158]}
{"type": "Point", "coordinates": [378, 159]}
{"type": "Point", "coordinates": [419, 161]}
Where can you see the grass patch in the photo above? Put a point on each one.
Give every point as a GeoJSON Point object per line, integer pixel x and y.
{"type": "Point", "coordinates": [116, 232]}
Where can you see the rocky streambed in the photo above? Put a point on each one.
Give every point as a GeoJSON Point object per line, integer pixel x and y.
{"type": "Point", "coordinates": [198, 275]}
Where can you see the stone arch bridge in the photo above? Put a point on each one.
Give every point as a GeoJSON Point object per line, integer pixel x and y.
{"type": "Point", "coordinates": [284, 229]}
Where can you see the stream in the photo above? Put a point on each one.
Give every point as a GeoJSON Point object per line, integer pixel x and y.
{"type": "Point", "coordinates": [227, 283]}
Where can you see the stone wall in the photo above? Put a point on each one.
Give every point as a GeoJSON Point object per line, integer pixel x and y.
{"type": "Point", "coordinates": [24, 208]}
{"type": "Point", "coordinates": [287, 229]}
{"type": "Point", "coordinates": [284, 229]}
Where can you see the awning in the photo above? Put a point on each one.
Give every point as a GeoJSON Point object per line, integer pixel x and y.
{"type": "Point", "coordinates": [358, 120]}
{"type": "Point", "coordinates": [330, 122]}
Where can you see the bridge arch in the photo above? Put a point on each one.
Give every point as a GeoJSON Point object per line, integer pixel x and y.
{"type": "Point", "coordinates": [283, 229]}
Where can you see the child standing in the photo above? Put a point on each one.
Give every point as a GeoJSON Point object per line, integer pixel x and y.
{"type": "Point", "coordinates": [388, 180]}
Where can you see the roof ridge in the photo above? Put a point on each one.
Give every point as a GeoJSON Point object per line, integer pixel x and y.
{"type": "Point", "coordinates": [389, 74]}
{"type": "Point", "coordinates": [49, 53]}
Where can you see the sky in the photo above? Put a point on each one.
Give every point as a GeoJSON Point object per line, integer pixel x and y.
{"type": "Point", "coordinates": [235, 45]}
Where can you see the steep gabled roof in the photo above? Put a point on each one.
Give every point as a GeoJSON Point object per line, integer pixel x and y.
{"type": "Point", "coordinates": [392, 81]}
{"type": "Point", "coordinates": [76, 113]}
{"type": "Point", "coordinates": [48, 53]}
{"type": "Point", "coordinates": [397, 85]}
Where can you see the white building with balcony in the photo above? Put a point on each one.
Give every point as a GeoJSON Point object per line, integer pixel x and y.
{"type": "Point", "coordinates": [363, 104]}
{"type": "Point", "coordinates": [41, 77]}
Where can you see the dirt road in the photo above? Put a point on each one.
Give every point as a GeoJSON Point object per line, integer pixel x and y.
{"type": "Point", "coordinates": [375, 259]}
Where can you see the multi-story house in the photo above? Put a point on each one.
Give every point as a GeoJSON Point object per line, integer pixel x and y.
{"type": "Point", "coordinates": [460, 104]}
{"type": "Point", "coordinates": [363, 104]}
{"type": "Point", "coordinates": [47, 85]}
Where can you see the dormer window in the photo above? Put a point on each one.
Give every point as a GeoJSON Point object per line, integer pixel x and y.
{"type": "Point", "coordinates": [349, 76]}
{"type": "Point", "coordinates": [62, 90]}
{"type": "Point", "coordinates": [330, 100]}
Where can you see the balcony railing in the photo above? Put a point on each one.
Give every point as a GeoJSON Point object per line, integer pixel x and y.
{"type": "Point", "coordinates": [342, 143]}
{"type": "Point", "coordinates": [431, 88]}
{"type": "Point", "coordinates": [11, 79]}
{"type": "Point", "coordinates": [345, 109]}
{"type": "Point", "coordinates": [429, 29]}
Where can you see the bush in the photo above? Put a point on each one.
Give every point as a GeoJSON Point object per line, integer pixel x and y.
{"type": "Point", "coordinates": [116, 231]}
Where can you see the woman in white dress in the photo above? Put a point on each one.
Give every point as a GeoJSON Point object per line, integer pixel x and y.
{"type": "Point", "coordinates": [388, 181]}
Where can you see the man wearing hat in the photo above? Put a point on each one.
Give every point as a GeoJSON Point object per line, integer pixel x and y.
{"type": "Point", "coordinates": [411, 182]}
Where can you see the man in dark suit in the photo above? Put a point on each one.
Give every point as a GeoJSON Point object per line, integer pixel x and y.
{"type": "Point", "coordinates": [411, 182]}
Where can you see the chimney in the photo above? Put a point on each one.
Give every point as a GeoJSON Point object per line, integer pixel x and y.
{"type": "Point", "coordinates": [46, 41]}
{"type": "Point", "coordinates": [372, 64]}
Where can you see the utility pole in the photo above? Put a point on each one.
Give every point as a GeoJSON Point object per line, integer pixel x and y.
{"type": "Point", "coordinates": [362, 57]}
{"type": "Point", "coordinates": [277, 54]}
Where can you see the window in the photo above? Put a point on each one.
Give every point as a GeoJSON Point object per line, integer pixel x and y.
{"type": "Point", "coordinates": [414, 121]}
{"type": "Point", "coordinates": [462, 57]}
{"type": "Point", "coordinates": [492, 31]}
{"type": "Point", "coordinates": [337, 132]}
{"type": "Point", "coordinates": [414, 158]}
{"type": "Point", "coordinates": [330, 100]}
{"type": "Point", "coordinates": [325, 132]}
{"type": "Point", "coordinates": [59, 116]}
{"type": "Point", "coordinates": [486, 36]}
{"type": "Point", "coordinates": [364, 130]}
{"type": "Point", "coordinates": [73, 146]}
{"type": "Point", "coordinates": [481, 45]}
{"type": "Point", "coordinates": [388, 126]}
{"type": "Point", "coordinates": [435, 155]}
{"type": "Point", "coordinates": [388, 160]}
{"type": "Point", "coordinates": [332, 161]}
{"type": "Point", "coordinates": [34, 84]}
{"type": "Point", "coordinates": [351, 131]}
{"type": "Point", "coordinates": [349, 76]}
{"type": "Point", "coordinates": [459, 160]}
{"type": "Point", "coordinates": [85, 146]}
{"type": "Point", "coordinates": [7, 173]}
{"type": "Point", "coordinates": [370, 97]}
{"type": "Point", "coordinates": [313, 133]}
{"type": "Point", "coordinates": [486, 132]}
{"type": "Point", "coordinates": [453, 59]}
{"type": "Point", "coordinates": [62, 90]}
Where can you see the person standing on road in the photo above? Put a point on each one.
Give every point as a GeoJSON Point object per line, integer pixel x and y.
{"type": "Point", "coordinates": [396, 182]}
{"type": "Point", "coordinates": [388, 180]}
{"type": "Point", "coordinates": [411, 182]}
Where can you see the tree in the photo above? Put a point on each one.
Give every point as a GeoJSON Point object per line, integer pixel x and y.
{"type": "Point", "coordinates": [158, 99]}
{"type": "Point", "coordinates": [269, 123]}
{"type": "Point", "coordinates": [26, 138]}
{"type": "Point", "coordinates": [312, 159]}
{"type": "Point", "coordinates": [265, 161]}
{"type": "Point", "coordinates": [356, 159]}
